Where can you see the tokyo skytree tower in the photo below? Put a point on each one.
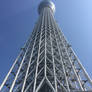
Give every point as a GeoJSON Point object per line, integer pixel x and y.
{"type": "Point", "coordinates": [47, 62]}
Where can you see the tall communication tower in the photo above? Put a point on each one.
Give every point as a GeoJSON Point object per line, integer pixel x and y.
{"type": "Point", "coordinates": [47, 62]}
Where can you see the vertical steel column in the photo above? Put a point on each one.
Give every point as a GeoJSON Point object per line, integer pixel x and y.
{"type": "Point", "coordinates": [11, 89]}
{"type": "Point", "coordinates": [45, 21]}
{"type": "Point", "coordinates": [10, 71]}
{"type": "Point", "coordinates": [61, 56]}
{"type": "Point", "coordinates": [84, 71]}
{"type": "Point", "coordinates": [6, 78]}
{"type": "Point", "coordinates": [53, 53]}
{"type": "Point", "coordinates": [29, 61]}
{"type": "Point", "coordinates": [79, 63]}
{"type": "Point", "coordinates": [71, 63]}
{"type": "Point", "coordinates": [34, 88]}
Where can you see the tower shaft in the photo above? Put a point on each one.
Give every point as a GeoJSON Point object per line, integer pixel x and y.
{"type": "Point", "coordinates": [47, 62]}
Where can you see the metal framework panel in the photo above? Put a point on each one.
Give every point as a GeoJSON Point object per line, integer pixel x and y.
{"type": "Point", "coordinates": [46, 62]}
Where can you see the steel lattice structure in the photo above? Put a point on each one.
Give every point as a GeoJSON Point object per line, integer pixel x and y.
{"type": "Point", "coordinates": [47, 62]}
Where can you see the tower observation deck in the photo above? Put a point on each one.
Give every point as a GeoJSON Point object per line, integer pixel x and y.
{"type": "Point", "coordinates": [47, 62]}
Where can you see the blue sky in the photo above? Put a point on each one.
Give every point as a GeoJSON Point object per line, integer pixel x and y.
{"type": "Point", "coordinates": [18, 17]}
